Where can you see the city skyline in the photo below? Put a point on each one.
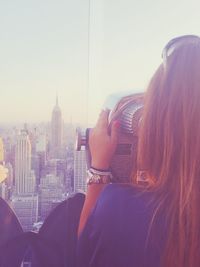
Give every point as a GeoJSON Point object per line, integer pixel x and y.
{"type": "Point", "coordinates": [39, 165]}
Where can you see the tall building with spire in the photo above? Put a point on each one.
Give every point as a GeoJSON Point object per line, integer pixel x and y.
{"type": "Point", "coordinates": [56, 132]}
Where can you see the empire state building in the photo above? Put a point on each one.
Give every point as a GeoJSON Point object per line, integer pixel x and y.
{"type": "Point", "coordinates": [56, 131]}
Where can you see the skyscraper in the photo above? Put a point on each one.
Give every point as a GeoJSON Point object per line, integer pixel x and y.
{"type": "Point", "coordinates": [56, 132]}
{"type": "Point", "coordinates": [25, 200]}
{"type": "Point", "coordinates": [24, 177]}
{"type": "Point", "coordinates": [80, 171]}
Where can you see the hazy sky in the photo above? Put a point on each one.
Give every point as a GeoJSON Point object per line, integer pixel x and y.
{"type": "Point", "coordinates": [44, 50]}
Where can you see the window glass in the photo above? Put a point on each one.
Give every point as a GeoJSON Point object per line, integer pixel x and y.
{"type": "Point", "coordinates": [127, 38]}
{"type": "Point", "coordinates": [44, 97]}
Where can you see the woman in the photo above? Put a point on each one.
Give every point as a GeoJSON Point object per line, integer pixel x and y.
{"type": "Point", "coordinates": [158, 225]}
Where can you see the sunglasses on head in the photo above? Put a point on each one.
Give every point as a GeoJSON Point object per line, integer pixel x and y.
{"type": "Point", "coordinates": [177, 42]}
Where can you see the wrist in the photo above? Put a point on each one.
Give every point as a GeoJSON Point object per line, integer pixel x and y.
{"type": "Point", "coordinates": [100, 165]}
{"type": "Point", "coordinates": [100, 170]}
{"type": "Point", "coordinates": [98, 177]}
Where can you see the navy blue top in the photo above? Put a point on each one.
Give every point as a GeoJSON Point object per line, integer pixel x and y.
{"type": "Point", "coordinates": [117, 230]}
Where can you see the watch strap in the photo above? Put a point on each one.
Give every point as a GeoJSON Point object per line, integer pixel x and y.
{"type": "Point", "coordinates": [97, 177]}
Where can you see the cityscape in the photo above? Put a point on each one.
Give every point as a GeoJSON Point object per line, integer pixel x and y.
{"type": "Point", "coordinates": [43, 168]}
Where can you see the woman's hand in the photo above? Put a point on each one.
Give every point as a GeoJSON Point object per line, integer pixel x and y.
{"type": "Point", "coordinates": [102, 143]}
{"type": "Point", "coordinates": [102, 147]}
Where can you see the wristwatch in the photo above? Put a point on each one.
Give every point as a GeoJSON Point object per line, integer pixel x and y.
{"type": "Point", "coordinates": [98, 177]}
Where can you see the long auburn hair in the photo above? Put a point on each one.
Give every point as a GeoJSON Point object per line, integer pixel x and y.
{"type": "Point", "coordinates": [169, 150]}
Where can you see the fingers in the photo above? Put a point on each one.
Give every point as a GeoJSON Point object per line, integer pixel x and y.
{"type": "Point", "coordinates": [115, 131]}
{"type": "Point", "coordinates": [103, 119]}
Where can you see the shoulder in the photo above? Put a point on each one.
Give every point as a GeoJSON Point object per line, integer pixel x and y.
{"type": "Point", "coordinates": [121, 205]}
{"type": "Point", "coordinates": [117, 226]}
{"type": "Point", "coordinates": [117, 195]}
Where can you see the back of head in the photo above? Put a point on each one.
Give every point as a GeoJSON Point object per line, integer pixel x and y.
{"type": "Point", "coordinates": [169, 146]}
